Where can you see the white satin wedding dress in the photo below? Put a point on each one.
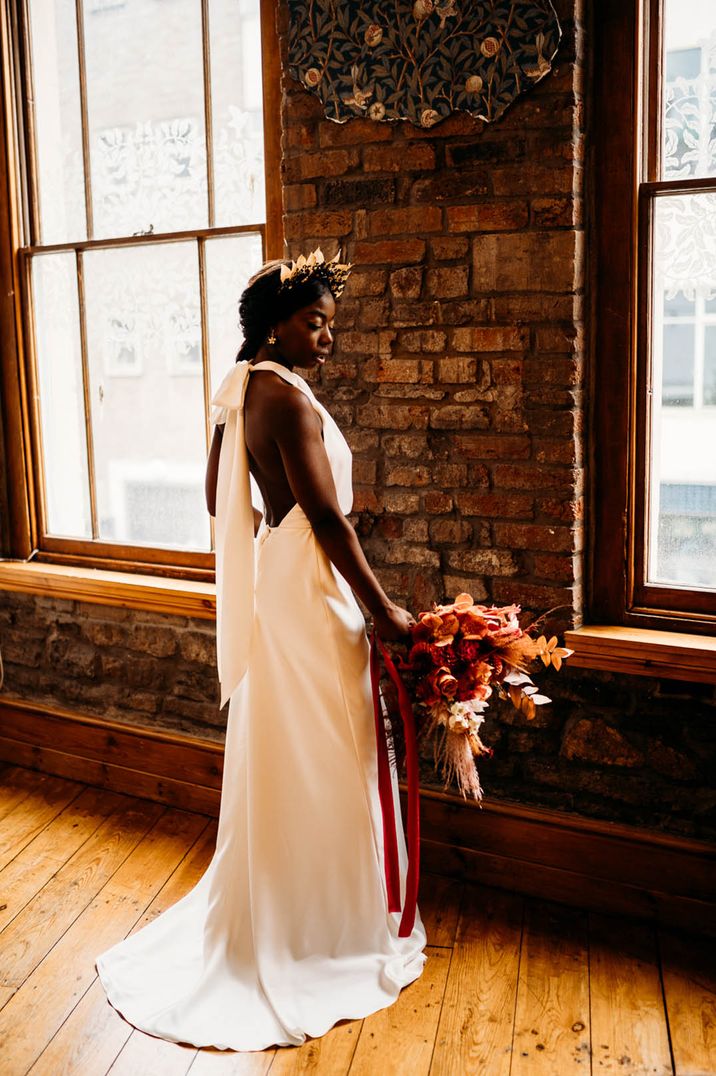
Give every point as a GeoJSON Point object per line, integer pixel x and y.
{"type": "Point", "coordinates": [288, 931]}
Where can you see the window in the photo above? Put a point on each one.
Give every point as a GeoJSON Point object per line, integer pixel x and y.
{"type": "Point", "coordinates": [654, 550]}
{"type": "Point", "coordinates": [145, 191]}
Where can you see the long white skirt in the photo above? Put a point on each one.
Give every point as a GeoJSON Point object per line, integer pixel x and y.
{"type": "Point", "coordinates": [288, 930]}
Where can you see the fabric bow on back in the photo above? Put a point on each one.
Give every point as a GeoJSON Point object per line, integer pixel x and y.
{"type": "Point", "coordinates": [234, 535]}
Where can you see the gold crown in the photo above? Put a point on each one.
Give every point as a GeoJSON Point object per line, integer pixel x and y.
{"type": "Point", "coordinates": [332, 272]}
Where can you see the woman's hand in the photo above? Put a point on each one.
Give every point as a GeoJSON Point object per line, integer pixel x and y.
{"type": "Point", "coordinates": [393, 623]}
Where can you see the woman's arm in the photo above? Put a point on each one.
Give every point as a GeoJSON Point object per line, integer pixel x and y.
{"type": "Point", "coordinates": [298, 436]}
{"type": "Point", "coordinates": [212, 470]}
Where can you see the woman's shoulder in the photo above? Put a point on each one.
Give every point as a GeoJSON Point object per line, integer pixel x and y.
{"type": "Point", "coordinates": [276, 396]}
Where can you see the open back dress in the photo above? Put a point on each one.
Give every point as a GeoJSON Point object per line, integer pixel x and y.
{"type": "Point", "coordinates": [288, 931]}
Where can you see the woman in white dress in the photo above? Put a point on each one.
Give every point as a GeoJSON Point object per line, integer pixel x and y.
{"type": "Point", "coordinates": [289, 930]}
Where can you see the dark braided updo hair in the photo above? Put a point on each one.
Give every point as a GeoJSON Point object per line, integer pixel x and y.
{"type": "Point", "coordinates": [262, 305]}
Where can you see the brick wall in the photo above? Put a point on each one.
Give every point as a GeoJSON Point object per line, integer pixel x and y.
{"type": "Point", "coordinates": [458, 380]}
{"type": "Point", "coordinates": [460, 354]}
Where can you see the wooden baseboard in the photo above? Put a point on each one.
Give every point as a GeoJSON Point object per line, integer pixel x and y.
{"type": "Point", "coordinates": [585, 862]}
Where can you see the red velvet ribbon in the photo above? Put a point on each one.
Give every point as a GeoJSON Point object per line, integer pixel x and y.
{"type": "Point", "coordinates": [385, 791]}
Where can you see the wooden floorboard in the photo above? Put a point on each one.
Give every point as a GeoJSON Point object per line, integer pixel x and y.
{"type": "Point", "coordinates": [513, 986]}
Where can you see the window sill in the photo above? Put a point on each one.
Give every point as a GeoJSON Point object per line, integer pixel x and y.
{"type": "Point", "coordinates": [149, 592]}
{"type": "Point", "coordinates": [669, 655]}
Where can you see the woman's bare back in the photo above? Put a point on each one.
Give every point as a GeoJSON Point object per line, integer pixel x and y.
{"type": "Point", "coordinates": [268, 400]}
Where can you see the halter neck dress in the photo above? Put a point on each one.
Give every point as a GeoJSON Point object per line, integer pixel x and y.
{"type": "Point", "coordinates": [288, 931]}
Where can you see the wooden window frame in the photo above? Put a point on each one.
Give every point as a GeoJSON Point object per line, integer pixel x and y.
{"type": "Point", "coordinates": [21, 488]}
{"type": "Point", "coordinates": [625, 118]}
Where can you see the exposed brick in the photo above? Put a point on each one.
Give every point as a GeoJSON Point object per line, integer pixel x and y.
{"type": "Point", "coordinates": [299, 196]}
{"type": "Point", "coordinates": [390, 251]}
{"type": "Point", "coordinates": [526, 261]}
{"type": "Point", "coordinates": [490, 150]}
{"type": "Point", "coordinates": [364, 471]}
{"type": "Point", "coordinates": [449, 248]}
{"type": "Point", "coordinates": [397, 158]}
{"type": "Point", "coordinates": [152, 639]}
{"type": "Point", "coordinates": [549, 371]}
{"type": "Point", "coordinates": [301, 135]}
{"type": "Point", "coordinates": [413, 475]}
{"type": "Point", "coordinates": [402, 552]}
{"type": "Point", "coordinates": [448, 186]}
{"type": "Point", "coordinates": [534, 536]}
{"type": "Point", "coordinates": [412, 445]}
{"type": "Point", "coordinates": [429, 340]}
{"type": "Point", "coordinates": [460, 584]}
{"type": "Point", "coordinates": [516, 179]}
{"type": "Point", "coordinates": [416, 530]}
{"type": "Point", "coordinates": [400, 371]}
{"type": "Point", "coordinates": [384, 414]}
{"type": "Point", "coordinates": [489, 447]}
{"type": "Point", "coordinates": [553, 212]}
{"type": "Point", "coordinates": [407, 283]}
{"type": "Point", "coordinates": [457, 370]}
{"type": "Point", "coordinates": [483, 561]}
{"type": "Point", "coordinates": [358, 192]}
{"type": "Point", "coordinates": [450, 474]}
{"type": "Point", "coordinates": [437, 503]}
{"type": "Point", "coordinates": [318, 222]}
{"type": "Point", "coordinates": [450, 531]}
{"type": "Point", "coordinates": [448, 283]}
{"type": "Point", "coordinates": [352, 134]}
{"type": "Point", "coordinates": [395, 500]}
{"type": "Point", "coordinates": [507, 216]}
{"type": "Point", "coordinates": [488, 338]}
{"type": "Point", "coordinates": [334, 162]}
{"type": "Point", "coordinates": [463, 417]}
{"type": "Point", "coordinates": [411, 219]}
{"type": "Point", "coordinates": [532, 476]}
{"type": "Point", "coordinates": [558, 567]}
{"type": "Point", "coordinates": [496, 505]}
{"type": "Point", "coordinates": [367, 282]}
{"type": "Point", "coordinates": [596, 741]}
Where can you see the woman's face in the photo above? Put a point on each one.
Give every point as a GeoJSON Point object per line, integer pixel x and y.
{"type": "Point", "coordinates": [306, 338]}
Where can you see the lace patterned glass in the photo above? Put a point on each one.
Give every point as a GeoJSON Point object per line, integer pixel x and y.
{"type": "Point", "coordinates": [689, 90]}
{"type": "Point", "coordinates": [237, 112]}
{"type": "Point", "coordinates": [145, 100]}
{"type": "Point", "coordinates": [144, 345]}
{"type": "Point", "coordinates": [682, 510]}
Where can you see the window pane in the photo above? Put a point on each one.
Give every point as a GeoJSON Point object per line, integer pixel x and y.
{"type": "Point", "coordinates": [710, 366]}
{"type": "Point", "coordinates": [145, 100]}
{"type": "Point", "coordinates": [677, 384]}
{"type": "Point", "coordinates": [62, 419]}
{"type": "Point", "coordinates": [229, 264]}
{"type": "Point", "coordinates": [237, 112]}
{"type": "Point", "coordinates": [682, 509]}
{"type": "Point", "coordinates": [689, 120]}
{"type": "Point", "coordinates": [58, 128]}
{"type": "Point", "coordinates": [144, 341]}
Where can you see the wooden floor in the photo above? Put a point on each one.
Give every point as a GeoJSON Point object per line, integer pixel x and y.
{"type": "Point", "coordinates": [512, 985]}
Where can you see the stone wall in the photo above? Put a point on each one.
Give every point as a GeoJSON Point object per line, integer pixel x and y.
{"type": "Point", "coordinates": [458, 379]}
{"type": "Point", "coordinates": [621, 748]}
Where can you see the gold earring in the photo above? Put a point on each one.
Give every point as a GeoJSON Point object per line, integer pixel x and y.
{"type": "Point", "coordinates": [271, 338]}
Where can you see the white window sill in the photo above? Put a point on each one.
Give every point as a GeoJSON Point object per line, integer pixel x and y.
{"type": "Point", "coordinates": [177, 597]}
{"type": "Point", "coordinates": [669, 655]}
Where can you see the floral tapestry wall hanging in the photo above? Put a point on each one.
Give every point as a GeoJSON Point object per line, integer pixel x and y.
{"type": "Point", "coordinates": [420, 60]}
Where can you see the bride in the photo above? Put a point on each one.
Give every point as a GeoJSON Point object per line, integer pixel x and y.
{"type": "Point", "coordinates": [289, 930]}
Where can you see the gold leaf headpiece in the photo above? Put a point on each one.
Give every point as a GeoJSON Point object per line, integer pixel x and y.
{"type": "Point", "coordinates": [332, 272]}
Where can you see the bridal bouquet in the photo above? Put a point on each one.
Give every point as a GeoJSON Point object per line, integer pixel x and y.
{"type": "Point", "coordinates": [460, 654]}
